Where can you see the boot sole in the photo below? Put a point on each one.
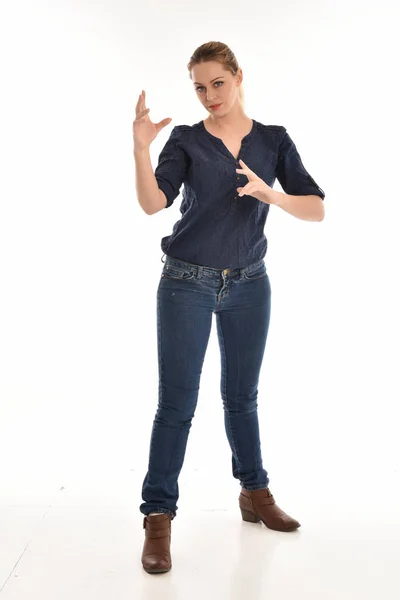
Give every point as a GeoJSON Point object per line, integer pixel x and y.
{"type": "Point", "coordinates": [252, 518]}
{"type": "Point", "coordinates": [155, 571]}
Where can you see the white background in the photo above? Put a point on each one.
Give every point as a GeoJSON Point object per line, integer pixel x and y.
{"type": "Point", "coordinates": [80, 261]}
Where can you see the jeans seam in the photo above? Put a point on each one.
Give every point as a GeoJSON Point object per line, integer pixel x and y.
{"type": "Point", "coordinates": [161, 397]}
{"type": "Point", "coordinates": [224, 365]}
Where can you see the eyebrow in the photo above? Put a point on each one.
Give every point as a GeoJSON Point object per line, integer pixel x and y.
{"type": "Point", "coordinates": [196, 82]}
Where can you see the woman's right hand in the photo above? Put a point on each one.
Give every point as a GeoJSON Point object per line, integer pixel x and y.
{"type": "Point", "coordinates": [144, 131]}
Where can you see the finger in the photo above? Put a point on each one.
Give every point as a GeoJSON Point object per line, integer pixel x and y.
{"type": "Point", "coordinates": [139, 104]}
{"type": "Point", "coordinates": [163, 123]}
{"type": "Point", "coordinates": [142, 104]}
{"type": "Point", "coordinates": [141, 114]}
{"type": "Point", "coordinates": [244, 166]}
{"type": "Point", "coordinates": [246, 190]}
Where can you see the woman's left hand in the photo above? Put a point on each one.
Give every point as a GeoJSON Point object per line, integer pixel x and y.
{"type": "Point", "coordinates": [256, 186]}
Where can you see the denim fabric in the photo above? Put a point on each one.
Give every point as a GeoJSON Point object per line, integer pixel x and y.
{"type": "Point", "coordinates": [187, 297]}
{"type": "Point", "coordinates": [219, 228]}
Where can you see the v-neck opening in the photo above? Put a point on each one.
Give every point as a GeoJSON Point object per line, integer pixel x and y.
{"type": "Point", "coordinates": [243, 143]}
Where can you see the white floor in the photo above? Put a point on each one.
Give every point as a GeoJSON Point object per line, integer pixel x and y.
{"type": "Point", "coordinates": [83, 540]}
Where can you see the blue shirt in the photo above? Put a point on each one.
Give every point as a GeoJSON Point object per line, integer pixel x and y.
{"type": "Point", "coordinates": [218, 228]}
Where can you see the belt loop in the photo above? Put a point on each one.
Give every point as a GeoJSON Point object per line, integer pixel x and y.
{"type": "Point", "coordinates": [199, 272]}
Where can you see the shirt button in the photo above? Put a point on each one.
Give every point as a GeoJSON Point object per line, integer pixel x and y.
{"type": "Point", "coordinates": [238, 178]}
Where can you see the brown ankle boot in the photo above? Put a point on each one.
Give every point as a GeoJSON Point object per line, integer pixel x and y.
{"type": "Point", "coordinates": [156, 556]}
{"type": "Point", "coordinates": [260, 505]}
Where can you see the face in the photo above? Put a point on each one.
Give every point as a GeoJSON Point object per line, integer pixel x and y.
{"type": "Point", "coordinates": [213, 84]}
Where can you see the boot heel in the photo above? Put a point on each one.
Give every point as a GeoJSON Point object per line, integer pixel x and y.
{"type": "Point", "coordinates": [249, 516]}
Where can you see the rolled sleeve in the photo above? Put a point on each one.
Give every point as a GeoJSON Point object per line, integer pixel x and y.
{"type": "Point", "coordinates": [172, 166]}
{"type": "Point", "coordinates": [291, 173]}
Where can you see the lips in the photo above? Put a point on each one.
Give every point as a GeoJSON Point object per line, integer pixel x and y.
{"type": "Point", "coordinates": [215, 105]}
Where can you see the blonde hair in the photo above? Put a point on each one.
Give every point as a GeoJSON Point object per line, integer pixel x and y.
{"type": "Point", "coordinates": [221, 53]}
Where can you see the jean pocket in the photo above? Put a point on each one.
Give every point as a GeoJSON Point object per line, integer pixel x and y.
{"type": "Point", "coordinates": [171, 272]}
{"type": "Point", "coordinates": [256, 273]}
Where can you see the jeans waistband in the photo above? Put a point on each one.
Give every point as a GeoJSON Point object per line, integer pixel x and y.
{"type": "Point", "coordinates": [211, 270]}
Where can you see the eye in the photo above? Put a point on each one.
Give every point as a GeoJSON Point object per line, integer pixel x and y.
{"type": "Point", "coordinates": [201, 86]}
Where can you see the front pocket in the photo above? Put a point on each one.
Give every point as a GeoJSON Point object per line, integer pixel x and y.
{"type": "Point", "coordinates": [257, 273]}
{"type": "Point", "coordinates": [175, 273]}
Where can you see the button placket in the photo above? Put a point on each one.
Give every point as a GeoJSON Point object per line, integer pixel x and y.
{"type": "Point", "coordinates": [237, 179]}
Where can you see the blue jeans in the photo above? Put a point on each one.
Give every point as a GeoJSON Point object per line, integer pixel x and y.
{"type": "Point", "coordinates": [187, 297]}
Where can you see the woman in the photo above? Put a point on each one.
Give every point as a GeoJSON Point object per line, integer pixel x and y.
{"type": "Point", "coordinates": [214, 264]}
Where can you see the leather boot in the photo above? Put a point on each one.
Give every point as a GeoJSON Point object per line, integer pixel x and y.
{"type": "Point", "coordinates": [156, 556]}
{"type": "Point", "coordinates": [259, 505]}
